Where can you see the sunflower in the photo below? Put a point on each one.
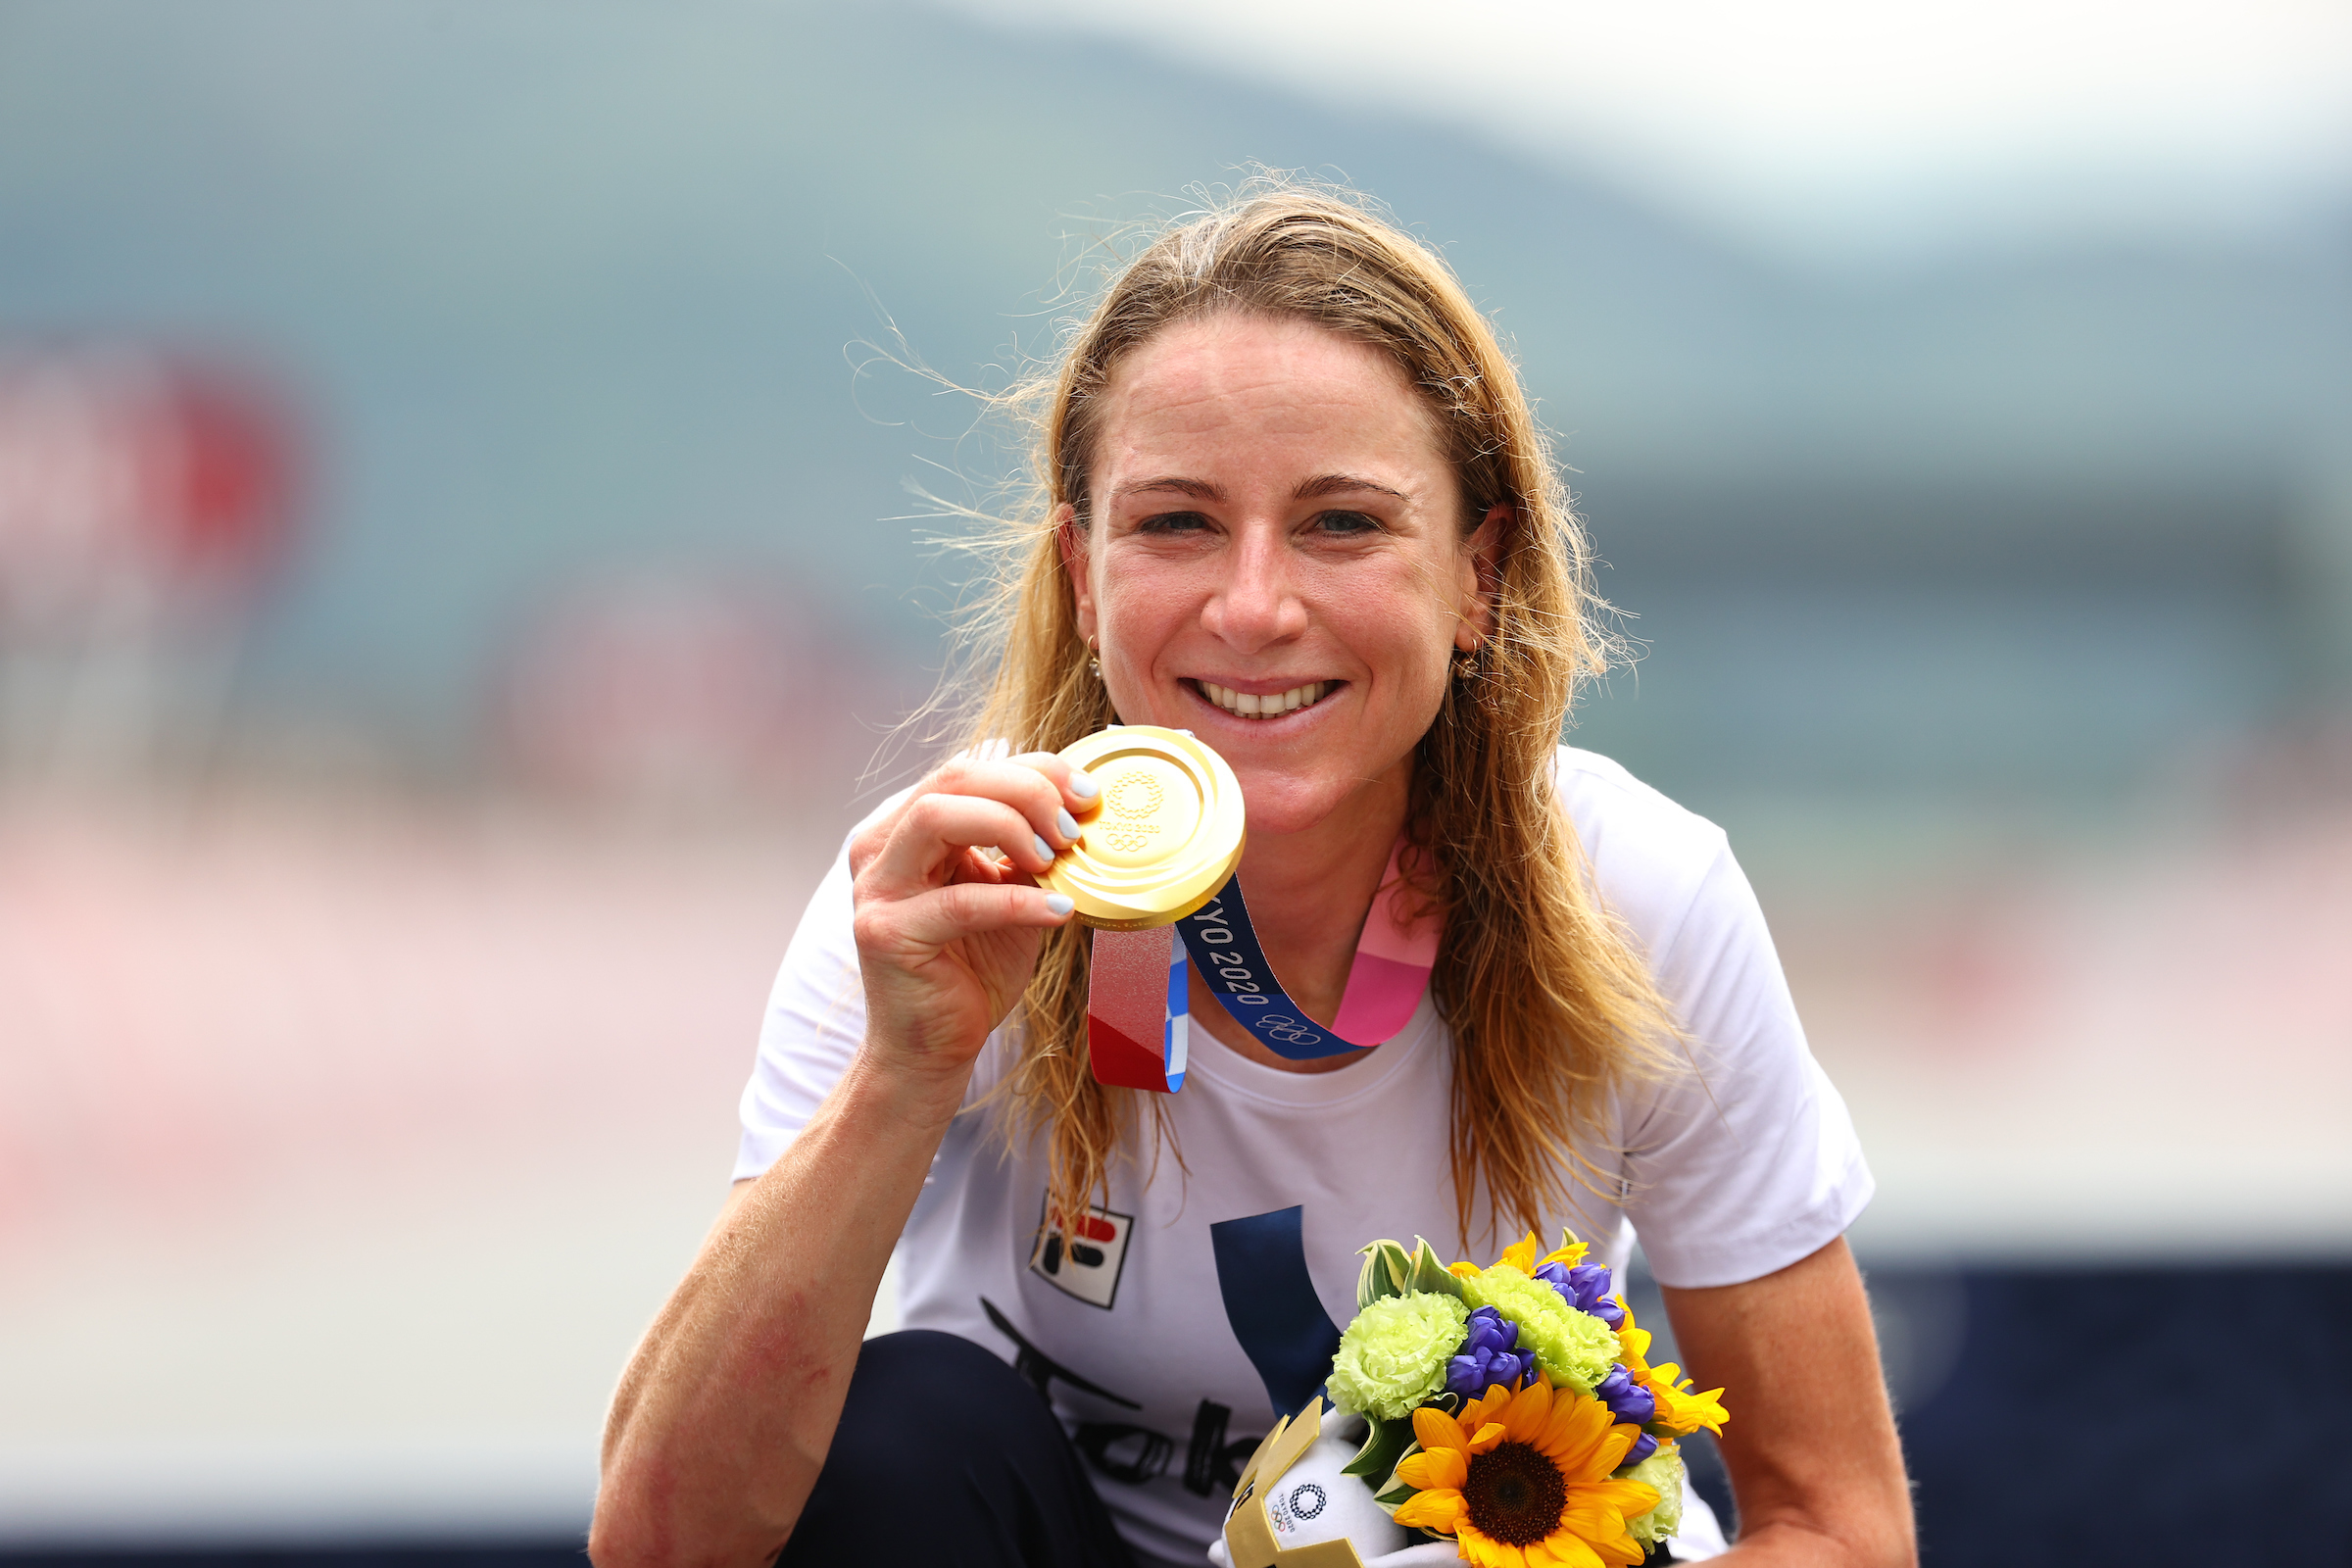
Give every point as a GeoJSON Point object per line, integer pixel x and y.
{"type": "Point", "coordinates": [1522, 1480]}
{"type": "Point", "coordinates": [1680, 1411]}
{"type": "Point", "coordinates": [1521, 1255]}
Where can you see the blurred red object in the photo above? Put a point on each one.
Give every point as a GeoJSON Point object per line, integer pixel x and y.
{"type": "Point", "coordinates": [682, 687]}
{"type": "Point", "coordinates": [136, 486]}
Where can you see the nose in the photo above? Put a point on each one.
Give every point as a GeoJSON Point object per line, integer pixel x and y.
{"type": "Point", "coordinates": [1257, 605]}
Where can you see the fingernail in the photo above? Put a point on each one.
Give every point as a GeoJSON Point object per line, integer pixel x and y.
{"type": "Point", "coordinates": [1060, 903]}
{"type": "Point", "coordinates": [1086, 789]}
{"type": "Point", "coordinates": [1044, 851]}
{"type": "Point", "coordinates": [1069, 825]}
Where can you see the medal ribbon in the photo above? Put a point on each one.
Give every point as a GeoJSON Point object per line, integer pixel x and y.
{"type": "Point", "coordinates": [1139, 989]}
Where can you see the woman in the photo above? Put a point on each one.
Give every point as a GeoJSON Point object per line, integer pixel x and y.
{"type": "Point", "coordinates": [1296, 503]}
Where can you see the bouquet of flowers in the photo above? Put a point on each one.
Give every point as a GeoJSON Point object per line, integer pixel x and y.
{"type": "Point", "coordinates": [1513, 1407]}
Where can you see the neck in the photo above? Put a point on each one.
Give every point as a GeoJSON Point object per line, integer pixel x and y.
{"type": "Point", "coordinates": [1309, 893]}
{"type": "Point", "coordinates": [1327, 873]}
{"type": "Point", "coordinates": [1310, 890]}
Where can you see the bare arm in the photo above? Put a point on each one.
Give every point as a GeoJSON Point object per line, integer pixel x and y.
{"type": "Point", "coordinates": [723, 1417]}
{"type": "Point", "coordinates": [1811, 1444]}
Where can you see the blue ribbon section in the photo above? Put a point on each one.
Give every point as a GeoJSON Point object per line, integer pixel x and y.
{"type": "Point", "coordinates": [1271, 1303]}
{"type": "Point", "coordinates": [1224, 947]}
{"type": "Point", "coordinates": [1175, 1038]}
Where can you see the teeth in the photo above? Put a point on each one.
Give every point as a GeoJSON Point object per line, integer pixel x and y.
{"type": "Point", "coordinates": [1271, 706]}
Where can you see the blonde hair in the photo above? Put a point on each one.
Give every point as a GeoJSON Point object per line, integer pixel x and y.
{"type": "Point", "coordinates": [1546, 999]}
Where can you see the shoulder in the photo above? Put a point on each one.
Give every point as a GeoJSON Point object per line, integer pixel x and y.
{"type": "Point", "coordinates": [1750, 1162]}
{"type": "Point", "coordinates": [1651, 859]}
{"type": "Point", "coordinates": [1605, 800]}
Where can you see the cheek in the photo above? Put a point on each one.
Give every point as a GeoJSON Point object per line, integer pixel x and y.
{"type": "Point", "coordinates": [1143, 593]}
{"type": "Point", "coordinates": [1401, 632]}
{"type": "Point", "coordinates": [1138, 607]}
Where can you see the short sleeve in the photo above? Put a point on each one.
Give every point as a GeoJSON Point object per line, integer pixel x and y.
{"type": "Point", "coordinates": [1751, 1164]}
{"type": "Point", "coordinates": [815, 1023]}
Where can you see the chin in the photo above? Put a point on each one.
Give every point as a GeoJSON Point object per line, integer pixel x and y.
{"type": "Point", "coordinates": [1280, 802]}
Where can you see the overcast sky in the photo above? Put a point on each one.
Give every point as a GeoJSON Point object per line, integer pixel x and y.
{"type": "Point", "coordinates": [1834, 123]}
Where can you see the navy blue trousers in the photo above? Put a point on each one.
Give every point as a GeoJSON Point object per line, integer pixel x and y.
{"type": "Point", "coordinates": [945, 1455]}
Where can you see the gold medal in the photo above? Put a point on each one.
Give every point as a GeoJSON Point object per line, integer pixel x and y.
{"type": "Point", "coordinates": [1162, 836]}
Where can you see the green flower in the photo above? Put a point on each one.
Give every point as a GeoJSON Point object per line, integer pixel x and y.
{"type": "Point", "coordinates": [1576, 1347]}
{"type": "Point", "coordinates": [1393, 1355]}
{"type": "Point", "coordinates": [1661, 1472]}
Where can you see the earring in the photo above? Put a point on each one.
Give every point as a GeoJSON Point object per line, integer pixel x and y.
{"type": "Point", "coordinates": [1094, 665]}
{"type": "Point", "coordinates": [1465, 657]}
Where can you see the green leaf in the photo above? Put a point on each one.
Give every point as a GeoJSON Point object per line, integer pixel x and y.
{"type": "Point", "coordinates": [1393, 1501]}
{"type": "Point", "coordinates": [1371, 1279]}
{"type": "Point", "coordinates": [1384, 1446]}
{"type": "Point", "coordinates": [1426, 1273]}
{"type": "Point", "coordinates": [1400, 1266]}
{"type": "Point", "coordinates": [1386, 1270]}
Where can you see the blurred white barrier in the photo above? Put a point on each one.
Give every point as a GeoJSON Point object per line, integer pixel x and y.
{"type": "Point", "coordinates": [2102, 1057]}
{"type": "Point", "coordinates": [346, 1148]}
{"type": "Point", "coordinates": [345, 1151]}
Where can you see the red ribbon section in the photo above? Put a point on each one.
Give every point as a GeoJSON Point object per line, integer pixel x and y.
{"type": "Point", "coordinates": [1127, 1007]}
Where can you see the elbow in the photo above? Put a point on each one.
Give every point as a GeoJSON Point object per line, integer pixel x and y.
{"type": "Point", "coordinates": [1886, 1540]}
{"type": "Point", "coordinates": [649, 1515]}
{"type": "Point", "coordinates": [632, 1529]}
{"type": "Point", "coordinates": [1859, 1537]}
{"type": "Point", "coordinates": [615, 1539]}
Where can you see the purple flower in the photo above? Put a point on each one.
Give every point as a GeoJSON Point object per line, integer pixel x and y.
{"type": "Point", "coordinates": [1490, 1354]}
{"type": "Point", "coordinates": [1586, 1288]}
{"type": "Point", "coordinates": [1643, 1446]}
{"type": "Point", "coordinates": [1626, 1400]}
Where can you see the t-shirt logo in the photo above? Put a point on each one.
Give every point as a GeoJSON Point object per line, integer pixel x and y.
{"type": "Point", "coordinates": [1084, 1259]}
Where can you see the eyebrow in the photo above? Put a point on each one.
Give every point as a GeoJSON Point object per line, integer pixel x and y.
{"type": "Point", "coordinates": [1197, 489]}
{"type": "Point", "coordinates": [1333, 484]}
{"type": "Point", "coordinates": [1329, 484]}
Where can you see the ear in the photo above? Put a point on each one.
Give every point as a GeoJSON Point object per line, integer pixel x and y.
{"type": "Point", "coordinates": [1481, 578]}
{"type": "Point", "coordinates": [1072, 541]}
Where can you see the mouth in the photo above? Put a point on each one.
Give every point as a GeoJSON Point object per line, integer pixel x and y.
{"type": "Point", "coordinates": [1271, 705]}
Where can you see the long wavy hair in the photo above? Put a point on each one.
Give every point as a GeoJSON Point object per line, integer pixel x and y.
{"type": "Point", "coordinates": [1547, 1001]}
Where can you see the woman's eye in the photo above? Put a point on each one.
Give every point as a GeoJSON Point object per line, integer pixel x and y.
{"type": "Point", "coordinates": [1346, 523]}
{"type": "Point", "coordinates": [1173, 523]}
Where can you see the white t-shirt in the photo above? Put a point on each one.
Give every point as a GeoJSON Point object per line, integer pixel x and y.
{"type": "Point", "coordinates": [1727, 1179]}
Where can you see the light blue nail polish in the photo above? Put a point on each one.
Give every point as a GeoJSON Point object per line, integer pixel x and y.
{"type": "Point", "coordinates": [1069, 825]}
{"type": "Point", "coordinates": [1060, 903]}
{"type": "Point", "coordinates": [1044, 851]}
{"type": "Point", "coordinates": [1086, 789]}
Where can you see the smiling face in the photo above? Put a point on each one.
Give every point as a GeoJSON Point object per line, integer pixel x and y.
{"type": "Point", "coordinates": [1278, 560]}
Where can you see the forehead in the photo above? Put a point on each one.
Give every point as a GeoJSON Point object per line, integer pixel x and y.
{"type": "Point", "coordinates": [1233, 388]}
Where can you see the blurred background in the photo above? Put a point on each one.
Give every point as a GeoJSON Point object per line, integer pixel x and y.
{"type": "Point", "coordinates": [459, 572]}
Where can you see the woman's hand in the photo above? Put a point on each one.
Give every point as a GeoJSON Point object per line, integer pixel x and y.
{"type": "Point", "coordinates": [946, 932]}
